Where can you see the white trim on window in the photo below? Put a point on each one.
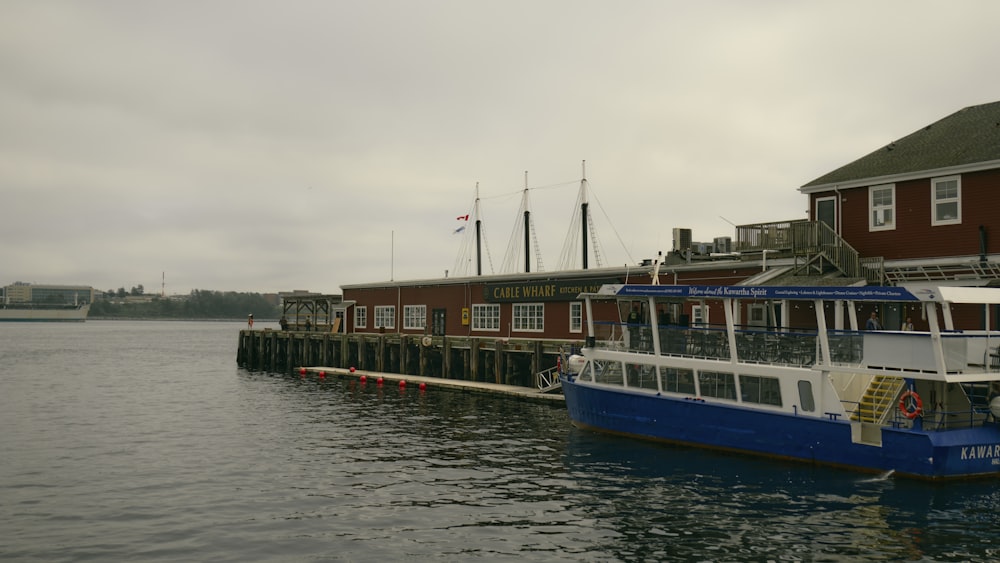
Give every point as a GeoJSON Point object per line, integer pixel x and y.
{"type": "Point", "coordinates": [385, 316]}
{"type": "Point", "coordinates": [486, 317]}
{"type": "Point", "coordinates": [882, 207]}
{"type": "Point", "coordinates": [529, 317]}
{"type": "Point", "coordinates": [576, 316]}
{"type": "Point", "coordinates": [414, 317]}
{"type": "Point", "coordinates": [699, 315]}
{"type": "Point", "coordinates": [946, 200]}
{"type": "Point", "coordinates": [360, 316]}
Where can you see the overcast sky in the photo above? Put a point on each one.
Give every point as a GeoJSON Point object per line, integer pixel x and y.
{"type": "Point", "coordinates": [275, 145]}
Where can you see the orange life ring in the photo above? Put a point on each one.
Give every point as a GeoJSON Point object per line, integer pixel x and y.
{"type": "Point", "coordinates": [918, 405]}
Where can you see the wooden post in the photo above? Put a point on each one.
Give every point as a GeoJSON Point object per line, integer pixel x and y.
{"type": "Point", "coordinates": [446, 357]}
{"type": "Point", "coordinates": [474, 344]}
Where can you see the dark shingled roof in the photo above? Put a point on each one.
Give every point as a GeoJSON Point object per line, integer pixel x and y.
{"type": "Point", "coordinates": [968, 136]}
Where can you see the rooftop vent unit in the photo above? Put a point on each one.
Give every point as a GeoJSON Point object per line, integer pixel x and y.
{"type": "Point", "coordinates": [682, 239]}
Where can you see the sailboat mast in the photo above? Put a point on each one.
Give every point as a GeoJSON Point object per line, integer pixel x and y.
{"type": "Point", "coordinates": [527, 227]}
{"type": "Point", "coordinates": [583, 214]}
{"type": "Point", "coordinates": [479, 235]}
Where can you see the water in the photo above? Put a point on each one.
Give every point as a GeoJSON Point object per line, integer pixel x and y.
{"type": "Point", "coordinates": [143, 441]}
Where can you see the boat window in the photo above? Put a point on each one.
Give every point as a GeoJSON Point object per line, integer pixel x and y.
{"type": "Point", "coordinates": [717, 384]}
{"type": "Point", "coordinates": [606, 371]}
{"type": "Point", "coordinates": [806, 400]}
{"type": "Point", "coordinates": [641, 375]}
{"type": "Point", "coordinates": [678, 380]}
{"type": "Point", "coordinates": [762, 390]}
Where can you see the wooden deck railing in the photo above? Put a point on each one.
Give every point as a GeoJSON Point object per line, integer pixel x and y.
{"type": "Point", "coordinates": [812, 240]}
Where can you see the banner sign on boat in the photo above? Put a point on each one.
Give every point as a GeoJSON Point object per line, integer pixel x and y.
{"type": "Point", "coordinates": [865, 293]}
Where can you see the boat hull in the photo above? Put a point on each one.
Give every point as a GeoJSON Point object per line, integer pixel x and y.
{"type": "Point", "coordinates": [43, 314]}
{"type": "Point", "coordinates": [972, 452]}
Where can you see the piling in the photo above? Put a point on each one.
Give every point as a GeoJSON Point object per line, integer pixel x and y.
{"type": "Point", "coordinates": [503, 361]}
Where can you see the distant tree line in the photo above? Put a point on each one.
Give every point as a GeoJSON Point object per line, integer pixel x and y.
{"type": "Point", "coordinates": [200, 304]}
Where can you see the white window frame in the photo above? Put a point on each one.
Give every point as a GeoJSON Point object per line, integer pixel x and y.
{"type": "Point", "coordinates": [576, 316]}
{"type": "Point", "coordinates": [936, 201]}
{"type": "Point", "coordinates": [385, 316]}
{"type": "Point", "coordinates": [758, 310]}
{"type": "Point", "coordinates": [414, 317]}
{"type": "Point", "coordinates": [699, 315]}
{"type": "Point", "coordinates": [486, 316]}
{"type": "Point", "coordinates": [529, 317]}
{"type": "Point", "coordinates": [360, 316]}
{"type": "Point", "coordinates": [881, 210]}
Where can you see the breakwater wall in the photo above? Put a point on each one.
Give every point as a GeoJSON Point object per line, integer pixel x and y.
{"type": "Point", "coordinates": [506, 361]}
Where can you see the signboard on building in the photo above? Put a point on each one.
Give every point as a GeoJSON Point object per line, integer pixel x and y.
{"type": "Point", "coordinates": [547, 290]}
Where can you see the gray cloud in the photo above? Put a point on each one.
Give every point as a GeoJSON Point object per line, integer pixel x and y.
{"type": "Point", "coordinates": [264, 146]}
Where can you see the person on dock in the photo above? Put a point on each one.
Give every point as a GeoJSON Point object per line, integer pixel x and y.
{"type": "Point", "coordinates": [873, 323]}
{"type": "Point", "coordinates": [283, 322]}
{"type": "Point", "coordinates": [250, 321]}
{"type": "Point", "coordinates": [309, 325]}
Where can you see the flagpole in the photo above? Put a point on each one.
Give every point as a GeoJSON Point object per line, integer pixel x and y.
{"type": "Point", "coordinates": [392, 255]}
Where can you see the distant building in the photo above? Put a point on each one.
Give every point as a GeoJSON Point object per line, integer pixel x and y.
{"type": "Point", "coordinates": [23, 292]}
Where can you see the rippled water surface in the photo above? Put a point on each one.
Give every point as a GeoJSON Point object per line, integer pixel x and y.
{"type": "Point", "coordinates": [143, 441]}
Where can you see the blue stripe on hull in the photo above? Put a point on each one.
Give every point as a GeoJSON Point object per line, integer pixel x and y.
{"type": "Point", "coordinates": [960, 453]}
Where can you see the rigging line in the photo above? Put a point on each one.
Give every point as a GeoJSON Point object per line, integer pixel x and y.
{"type": "Point", "coordinates": [617, 235]}
{"type": "Point", "coordinates": [521, 190]}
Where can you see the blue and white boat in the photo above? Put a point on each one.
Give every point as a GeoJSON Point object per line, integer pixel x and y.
{"type": "Point", "coordinates": [924, 404]}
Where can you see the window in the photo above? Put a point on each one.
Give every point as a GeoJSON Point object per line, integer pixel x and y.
{"type": "Point", "coordinates": [677, 380]}
{"type": "Point", "coordinates": [699, 315]}
{"type": "Point", "coordinates": [717, 384]}
{"type": "Point", "coordinates": [529, 317]}
{"type": "Point", "coordinates": [576, 317]}
{"type": "Point", "coordinates": [385, 316]}
{"type": "Point", "coordinates": [806, 400]}
{"type": "Point", "coordinates": [486, 317]}
{"type": "Point", "coordinates": [762, 390]}
{"type": "Point", "coordinates": [414, 317]}
{"type": "Point", "coordinates": [360, 317]}
{"type": "Point", "coordinates": [758, 315]}
{"type": "Point", "coordinates": [946, 199]}
{"type": "Point", "coordinates": [882, 201]}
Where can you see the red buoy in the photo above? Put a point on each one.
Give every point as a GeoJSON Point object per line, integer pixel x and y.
{"type": "Point", "coordinates": [423, 386]}
{"type": "Point", "coordinates": [363, 379]}
{"type": "Point", "coordinates": [378, 381]}
{"type": "Point", "coordinates": [302, 371]}
{"type": "Point", "coordinates": [402, 383]}
{"type": "Point", "coordinates": [352, 369]}
{"type": "Point", "coordinates": [322, 375]}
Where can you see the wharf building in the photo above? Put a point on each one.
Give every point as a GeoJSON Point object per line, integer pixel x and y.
{"type": "Point", "coordinates": [921, 210]}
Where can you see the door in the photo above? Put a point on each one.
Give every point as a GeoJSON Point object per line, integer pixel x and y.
{"type": "Point", "coordinates": [437, 322]}
{"type": "Point", "coordinates": [826, 211]}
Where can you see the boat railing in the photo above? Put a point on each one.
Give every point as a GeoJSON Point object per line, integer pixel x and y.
{"type": "Point", "coordinates": [797, 347]}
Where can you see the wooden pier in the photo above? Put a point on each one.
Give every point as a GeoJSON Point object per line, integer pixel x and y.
{"type": "Point", "coordinates": [499, 361]}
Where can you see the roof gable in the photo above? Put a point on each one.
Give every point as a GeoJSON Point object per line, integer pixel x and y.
{"type": "Point", "coordinates": [966, 137]}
